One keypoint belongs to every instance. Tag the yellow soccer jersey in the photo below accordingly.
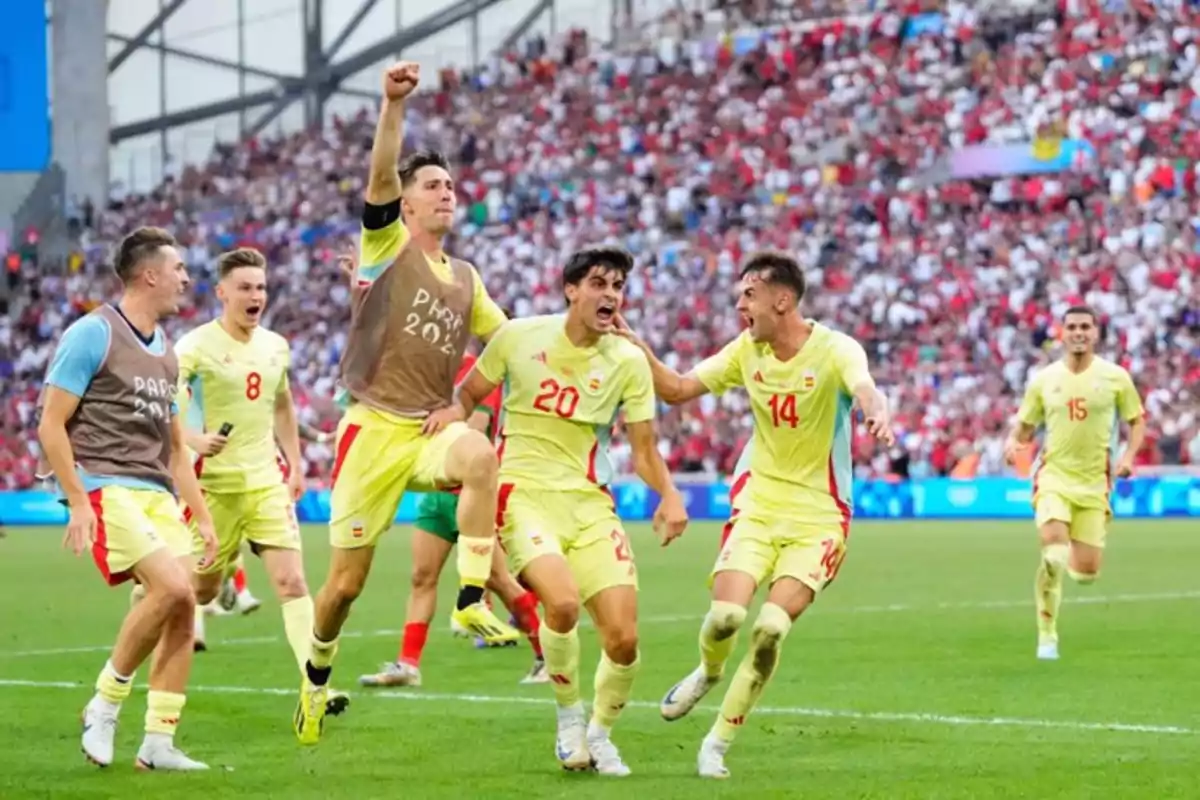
(799, 460)
(379, 248)
(561, 401)
(1080, 413)
(224, 380)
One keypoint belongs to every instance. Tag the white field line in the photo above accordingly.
(786, 711)
(666, 619)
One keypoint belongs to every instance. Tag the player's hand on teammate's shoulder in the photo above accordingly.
(213, 444)
(438, 420)
(401, 79)
(670, 518)
(81, 527)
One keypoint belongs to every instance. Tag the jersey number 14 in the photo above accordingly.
(783, 410)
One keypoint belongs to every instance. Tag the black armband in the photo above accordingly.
(376, 218)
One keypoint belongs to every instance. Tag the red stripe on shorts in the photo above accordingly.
(734, 491)
(198, 467)
(502, 503)
(100, 546)
(343, 449)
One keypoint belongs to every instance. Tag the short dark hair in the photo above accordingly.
(413, 162)
(137, 247)
(777, 268)
(1081, 309)
(616, 259)
(242, 257)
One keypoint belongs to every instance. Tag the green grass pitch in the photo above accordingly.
(913, 677)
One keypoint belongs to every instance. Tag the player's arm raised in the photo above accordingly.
(188, 486)
(669, 385)
(383, 183)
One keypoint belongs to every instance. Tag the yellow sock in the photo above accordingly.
(1048, 589)
(297, 624)
(1083, 578)
(475, 560)
(562, 661)
(113, 687)
(162, 712)
(718, 635)
(756, 669)
(614, 684)
(321, 653)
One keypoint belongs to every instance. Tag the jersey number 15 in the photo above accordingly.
(1077, 409)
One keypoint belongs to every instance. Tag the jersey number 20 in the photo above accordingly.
(555, 399)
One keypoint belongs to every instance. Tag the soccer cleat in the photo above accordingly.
(537, 673)
(336, 702)
(99, 730)
(1047, 650)
(478, 620)
(710, 762)
(309, 720)
(227, 598)
(393, 673)
(160, 752)
(684, 695)
(247, 603)
(605, 756)
(571, 746)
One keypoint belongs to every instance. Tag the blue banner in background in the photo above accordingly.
(936, 498)
(24, 99)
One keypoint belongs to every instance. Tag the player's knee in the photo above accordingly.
(346, 586)
(291, 585)
(621, 644)
(481, 465)
(562, 613)
(177, 595)
(424, 579)
(725, 619)
(766, 637)
(206, 592)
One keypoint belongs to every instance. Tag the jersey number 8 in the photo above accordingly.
(253, 386)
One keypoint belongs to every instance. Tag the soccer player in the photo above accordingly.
(1080, 400)
(792, 507)
(234, 373)
(413, 312)
(435, 532)
(111, 435)
(566, 378)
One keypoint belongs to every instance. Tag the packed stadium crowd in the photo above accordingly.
(828, 130)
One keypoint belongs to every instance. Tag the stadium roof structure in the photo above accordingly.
(326, 70)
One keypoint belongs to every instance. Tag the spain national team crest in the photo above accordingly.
(357, 530)
(809, 381)
(595, 380)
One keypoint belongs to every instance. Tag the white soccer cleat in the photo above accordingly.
(571, 745)
(685, 695)
(1047, 650)
(160, 752)
(247, 603)
(710, 762)
(605, 756)
(227, 597)
(393, 673)
(537, 673)
(99, 731)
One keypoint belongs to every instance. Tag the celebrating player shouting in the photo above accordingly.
(794, 511)
(111, 435)
(566, 380)
(238, 403)
(413, 311)
(1080, 400)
